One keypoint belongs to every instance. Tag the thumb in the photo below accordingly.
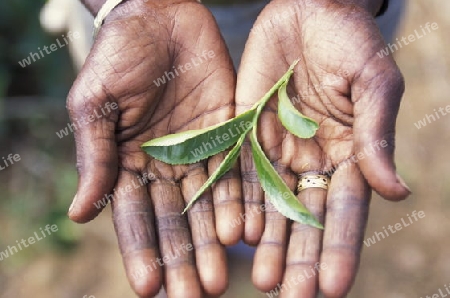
(94, 116)
(376, 94)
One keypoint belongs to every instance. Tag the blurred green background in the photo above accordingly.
(84, 260)
(34, 191)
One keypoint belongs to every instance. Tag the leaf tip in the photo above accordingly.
(294, 64)
(318, 225)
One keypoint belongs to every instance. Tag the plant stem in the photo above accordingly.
(262, 102)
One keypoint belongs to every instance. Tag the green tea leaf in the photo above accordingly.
(278, 192)
(194, 145)
(232, 156)
(292, 119)
(224, 167)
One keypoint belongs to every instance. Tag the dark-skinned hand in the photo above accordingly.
(354, 95)
(138, 43)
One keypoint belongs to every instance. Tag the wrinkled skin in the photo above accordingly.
(340, 82)
(131, 52)
(354, 95)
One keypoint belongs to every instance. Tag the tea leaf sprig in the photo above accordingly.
(191, 146)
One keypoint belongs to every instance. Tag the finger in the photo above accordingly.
(175, 245)
(253, 82)
(302, 262)
(227, 203)
(209, 253)
(253, 218)
(135, 228)
(377, 99)
(93, 118)
(347, 211)
(271, 138)
(270, 255)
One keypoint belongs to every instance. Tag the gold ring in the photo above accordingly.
(312, 181)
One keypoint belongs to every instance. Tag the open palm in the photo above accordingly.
(354, 95)
(159, 69)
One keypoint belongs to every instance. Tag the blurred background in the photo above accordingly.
(81, 260)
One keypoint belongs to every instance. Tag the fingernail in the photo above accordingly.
(73, 203)
(403, 183)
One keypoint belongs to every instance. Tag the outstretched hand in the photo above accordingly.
(354, 95)
(159, 68)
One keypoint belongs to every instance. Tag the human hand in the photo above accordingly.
(141, 44)
(354, 95)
